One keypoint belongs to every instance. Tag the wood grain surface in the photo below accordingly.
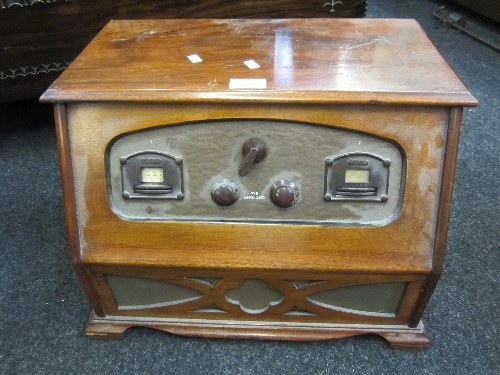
(365, 61)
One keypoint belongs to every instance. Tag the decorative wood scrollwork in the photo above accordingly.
(325, 300)
(254, 296)
(7, 4)
(24, 71)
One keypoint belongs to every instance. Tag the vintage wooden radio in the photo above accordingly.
(270, 179)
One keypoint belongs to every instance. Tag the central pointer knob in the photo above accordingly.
(254, 150)
(284, 193)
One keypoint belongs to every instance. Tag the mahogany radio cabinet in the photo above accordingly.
(265, 179)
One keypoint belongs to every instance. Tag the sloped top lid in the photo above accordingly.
(363, 61)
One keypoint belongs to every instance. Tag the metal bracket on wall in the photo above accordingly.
(456, 21)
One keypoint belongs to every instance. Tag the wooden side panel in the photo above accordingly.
(67, 179)
(445, 198)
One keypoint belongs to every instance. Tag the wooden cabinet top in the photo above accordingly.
(363, 61)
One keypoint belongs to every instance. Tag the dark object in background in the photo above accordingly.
(457, 22)
(487, 8)
(39, 39)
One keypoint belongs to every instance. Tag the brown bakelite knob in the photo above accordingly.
(254, 150)
(284, 193)
(225, 193)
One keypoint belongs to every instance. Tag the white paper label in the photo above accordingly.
(195, 59)
(251, 64)
(247, 83)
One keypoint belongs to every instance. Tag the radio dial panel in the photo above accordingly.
(223, 172)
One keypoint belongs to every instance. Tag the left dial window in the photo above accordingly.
(152, 175)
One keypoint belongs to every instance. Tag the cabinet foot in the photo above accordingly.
(102, 329)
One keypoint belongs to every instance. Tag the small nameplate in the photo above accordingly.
(247, 83)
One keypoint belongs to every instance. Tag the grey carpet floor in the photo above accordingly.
(43, 309)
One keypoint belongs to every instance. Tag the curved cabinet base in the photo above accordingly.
(398, 336)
